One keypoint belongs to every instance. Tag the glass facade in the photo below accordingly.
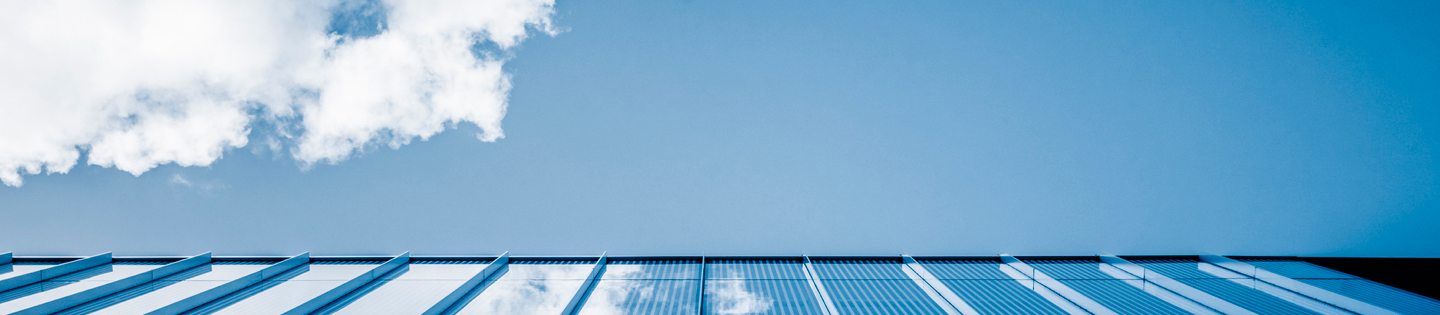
(693, 285)
(987, 285)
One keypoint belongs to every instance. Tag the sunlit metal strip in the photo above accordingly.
(1314, 292)
(1046, 293)
(117, 285)
(574, 305)
(355, 283)
(1183, 290)
(700, 296)
(55, 271)
(234, 285)
(464, 289)
(1054, 285)
(941, 293)
(820, 293)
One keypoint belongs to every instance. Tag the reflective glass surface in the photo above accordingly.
(38, 293)
(288, 290)
(526, 288)
(12, 270)
(859, 269)
(1079, 270)
(1351, 286)
(1002, 296)
(658, 297)
(766, 296)
(645, 287)
(979, 269)
(1224, 284)
(1107, 285)
(758, 287)
(1297, 269)
(985, 287)
(154, 295)
(1377, 294)
(409, 289)
(652, 270)
(873, 287)
(1187, 269)
(755, 269)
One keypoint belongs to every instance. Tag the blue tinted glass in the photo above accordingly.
(854, 296)
(1244, 296)
(859, 269)
(659, 297)
(38, 293)
(287, 290)
(1079, 269)
(519, 297)
(652, 269)
(409, 289)
(526, 287)
(1380, 295)
(8, 271)
(754, 269)
(1297, 269)
(1122, 296)
(157, 294)
(1186, 269)
(1001, 297)
(965, 269)
(760, 297)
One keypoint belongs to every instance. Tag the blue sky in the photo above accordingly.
(845, 127)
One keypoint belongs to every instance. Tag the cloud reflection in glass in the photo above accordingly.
(529, 287)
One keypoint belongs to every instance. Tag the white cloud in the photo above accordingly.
(148, 82)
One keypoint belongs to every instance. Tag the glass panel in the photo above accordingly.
(854, 296)
(1245, 296)
(965, 269)
(1001, 297)
(12, 270)
(659, 297)
(1297, 269)
(521, 297)
(154, 295)
(409, 289)
(526, 287)
(1187, 269)
(1378, 294)
(549, 269)
(652, 269)
(38, 293)
(288, 290)
(760, 297)
(669, 287)
(873, 287)
(755, 269)
(859, 269)
(1079, 270)
(1123, 296)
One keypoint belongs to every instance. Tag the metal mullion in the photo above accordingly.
(1181, 289)
(1055, 286)
(585, 287)
(826, 304)
(473, 283)
(700, 295)
(1293, 285)
(232, 286)
(351, 285)
(946, 295)
(55, 271)
(91, 294)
